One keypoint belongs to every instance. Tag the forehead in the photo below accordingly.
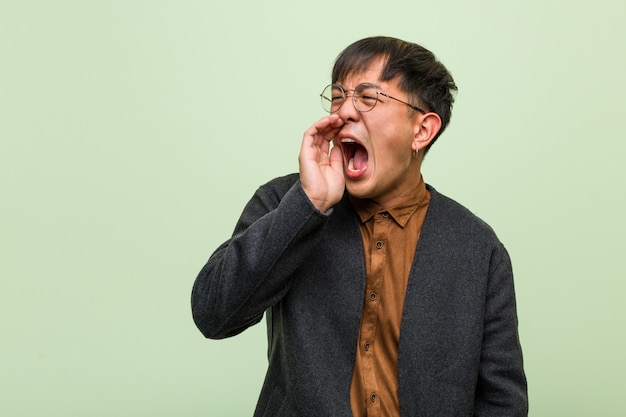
(370, 75)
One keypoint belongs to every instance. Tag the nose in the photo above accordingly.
(347, 111)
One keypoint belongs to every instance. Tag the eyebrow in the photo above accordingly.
(366, 82)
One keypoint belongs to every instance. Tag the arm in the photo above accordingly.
(501, 388)
(252, 271)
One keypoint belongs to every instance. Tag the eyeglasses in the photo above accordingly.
(364, 96)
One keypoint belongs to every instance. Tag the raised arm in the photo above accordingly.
(252, 270)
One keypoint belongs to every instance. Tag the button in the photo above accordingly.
(373, 397)
(367, 347)
(385, 214)
(373, 296)
(379, 244)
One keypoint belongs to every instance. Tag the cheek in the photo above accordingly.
(393, 147)
(392, 160)
(391, 138)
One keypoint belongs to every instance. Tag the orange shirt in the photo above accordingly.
(390, 236)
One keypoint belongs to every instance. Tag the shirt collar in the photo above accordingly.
(401, 212)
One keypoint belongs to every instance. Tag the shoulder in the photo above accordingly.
(272, 192)
(455, 237)
(281, 185)
(266, 198)
(451, 219)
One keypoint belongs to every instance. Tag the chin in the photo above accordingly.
(357, 190)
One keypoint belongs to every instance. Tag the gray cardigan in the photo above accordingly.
(459, 352)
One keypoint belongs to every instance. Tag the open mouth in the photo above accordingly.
(355, 157)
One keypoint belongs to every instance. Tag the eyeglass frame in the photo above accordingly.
(345, 95)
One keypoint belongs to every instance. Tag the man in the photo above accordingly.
(382, 296)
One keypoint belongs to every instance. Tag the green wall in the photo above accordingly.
(133, 132)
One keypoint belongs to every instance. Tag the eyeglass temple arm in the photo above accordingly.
(419, 109)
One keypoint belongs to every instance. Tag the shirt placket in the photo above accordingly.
(378, 251)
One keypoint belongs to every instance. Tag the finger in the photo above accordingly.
(330, 122)
(335, 121)
(326, 128)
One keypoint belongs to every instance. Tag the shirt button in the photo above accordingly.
(367, 346)
(373, 296)
(373, 397)
(385, 214)
(379, 244)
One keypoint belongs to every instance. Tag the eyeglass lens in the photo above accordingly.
(364, 97)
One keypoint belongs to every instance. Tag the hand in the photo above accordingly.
(321, 171)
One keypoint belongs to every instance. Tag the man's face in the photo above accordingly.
(377, 145)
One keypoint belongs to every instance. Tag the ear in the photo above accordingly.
(426, 128)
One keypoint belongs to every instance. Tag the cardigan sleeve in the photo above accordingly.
(252, 270)
(501, 387)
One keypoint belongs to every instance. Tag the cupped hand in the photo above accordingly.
(321, 168)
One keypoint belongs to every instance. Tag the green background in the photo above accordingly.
(133, 132)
